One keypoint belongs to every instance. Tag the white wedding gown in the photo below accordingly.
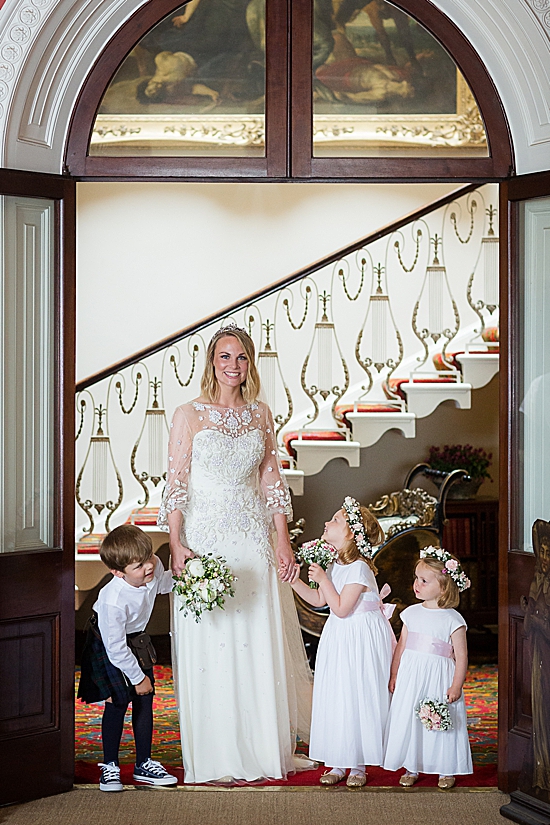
(241, 676)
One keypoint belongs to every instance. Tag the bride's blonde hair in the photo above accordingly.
(250, 389)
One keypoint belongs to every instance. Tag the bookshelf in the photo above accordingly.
(471, 534)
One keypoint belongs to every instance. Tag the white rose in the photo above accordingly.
(205, 593)
(216, 584)
(195, 568)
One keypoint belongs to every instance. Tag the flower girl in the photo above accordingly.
(428, 670)
(350, 689)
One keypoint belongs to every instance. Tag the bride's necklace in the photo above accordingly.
(228, 419)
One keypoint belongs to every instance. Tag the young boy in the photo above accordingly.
(110, 667)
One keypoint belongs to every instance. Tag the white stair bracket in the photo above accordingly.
(295, 480)
(423, 398)
(478, 367)
(312, 456)
(369, 427)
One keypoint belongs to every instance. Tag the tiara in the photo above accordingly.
(229, 329)
(450, 566)
(352, 509)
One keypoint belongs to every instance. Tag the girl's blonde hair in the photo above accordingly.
(450, 594)
(350, 552)
(250, 389)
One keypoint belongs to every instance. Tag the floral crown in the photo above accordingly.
(229, 329)
(450, 566)
(352, 510)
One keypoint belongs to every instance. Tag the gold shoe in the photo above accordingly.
(329, 778)
(408, 779)
(356, 780)
(446, 782)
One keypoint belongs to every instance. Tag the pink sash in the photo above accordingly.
(366, 606)
(422, 643)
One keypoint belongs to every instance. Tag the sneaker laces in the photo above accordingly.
(153, 766)
(109, 771)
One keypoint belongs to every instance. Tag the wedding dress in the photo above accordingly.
(242, 680)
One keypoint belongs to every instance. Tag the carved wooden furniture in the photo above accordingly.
(412, 519)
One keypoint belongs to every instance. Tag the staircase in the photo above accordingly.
(364, 341)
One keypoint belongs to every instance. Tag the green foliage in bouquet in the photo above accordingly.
(203, 585)
(318, 552)
(475, 460)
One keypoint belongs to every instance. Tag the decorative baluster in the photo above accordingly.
(380, 331)
(490, 286)
(276, 391)
(434, 313)
(95, 485)
(150, 447)
(318, 370)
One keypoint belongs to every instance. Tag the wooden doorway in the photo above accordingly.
(49, 735)
(525, 218)
(37, 558)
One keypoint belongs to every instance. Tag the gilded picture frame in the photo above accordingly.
(382, 85)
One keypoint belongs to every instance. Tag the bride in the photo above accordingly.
(241, 675)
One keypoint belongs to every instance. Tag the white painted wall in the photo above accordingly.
(153, 258)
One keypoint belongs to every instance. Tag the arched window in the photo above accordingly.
(277, 89)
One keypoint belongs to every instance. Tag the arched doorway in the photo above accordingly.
(289, 110)
(285, 163)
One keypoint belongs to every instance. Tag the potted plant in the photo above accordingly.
(475, 460)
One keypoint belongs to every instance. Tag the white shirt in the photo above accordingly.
(121, 609)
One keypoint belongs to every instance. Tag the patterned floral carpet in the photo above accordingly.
(481, 701)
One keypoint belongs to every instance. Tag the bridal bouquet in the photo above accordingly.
(318, 552)
(203, 585)
(434, 715)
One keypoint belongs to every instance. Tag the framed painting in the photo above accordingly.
(383, 85)
(193, 85)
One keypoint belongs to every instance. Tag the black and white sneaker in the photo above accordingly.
(110, 777)
(152, 773)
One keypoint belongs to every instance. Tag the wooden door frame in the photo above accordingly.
(273, 166)
(51, 571)
(289, 112)
(516, 567)
(513, 721)
(500, 162)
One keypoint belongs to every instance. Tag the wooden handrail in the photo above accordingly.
(276, 286)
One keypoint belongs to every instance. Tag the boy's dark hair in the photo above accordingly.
(125, 545)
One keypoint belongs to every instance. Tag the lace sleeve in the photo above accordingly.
(272, 478)
(179, 462)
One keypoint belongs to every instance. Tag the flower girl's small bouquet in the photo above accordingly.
(203, 585)
(434, 715)
(318, 552)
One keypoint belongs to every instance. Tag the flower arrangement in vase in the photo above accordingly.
(475, 460)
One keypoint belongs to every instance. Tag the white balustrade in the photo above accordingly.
(328, 340)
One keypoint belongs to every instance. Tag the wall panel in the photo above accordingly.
(27, 345)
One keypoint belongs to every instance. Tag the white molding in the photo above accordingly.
(369, 427)
(48, 77)
(295, 480)
(312, 456)
(423, 399)
(478, 367)
(535, 366)
(28, 369)
(47, 48)
(516, 51)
